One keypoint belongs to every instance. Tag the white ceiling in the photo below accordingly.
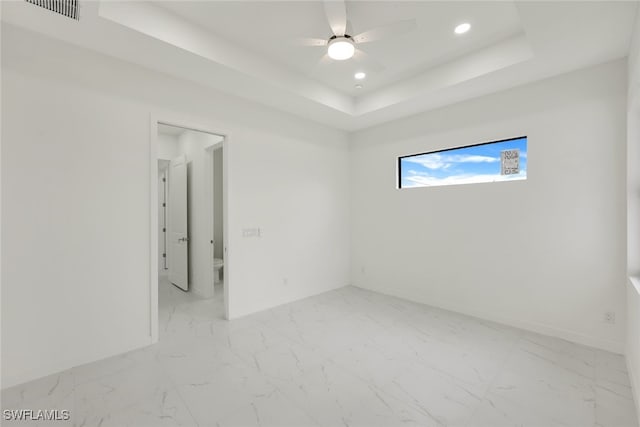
(272, 29)
(249, 48)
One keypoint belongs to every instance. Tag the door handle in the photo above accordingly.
(183, 239)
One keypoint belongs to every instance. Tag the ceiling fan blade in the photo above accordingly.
(349, 28)
(309, 42)
(368, 62)
(400, 27)
(336, 12)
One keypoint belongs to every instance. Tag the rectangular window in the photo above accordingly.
(504, 160)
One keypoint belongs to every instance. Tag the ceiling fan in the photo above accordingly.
(342, 45)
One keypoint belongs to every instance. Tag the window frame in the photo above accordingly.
(399, 175)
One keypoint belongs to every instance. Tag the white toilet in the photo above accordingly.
(217, 265)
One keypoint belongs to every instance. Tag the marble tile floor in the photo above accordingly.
(348, 357)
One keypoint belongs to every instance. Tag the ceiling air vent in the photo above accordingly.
(68, 8)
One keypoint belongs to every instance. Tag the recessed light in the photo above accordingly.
(358, 86)
(360, 75)
(341, 48)
(462, 28)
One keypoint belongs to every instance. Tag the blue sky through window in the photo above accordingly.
(466, 165)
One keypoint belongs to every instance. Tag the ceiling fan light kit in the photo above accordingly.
(340, 48)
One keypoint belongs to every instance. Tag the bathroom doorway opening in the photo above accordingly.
(216, 180)
(189, 232)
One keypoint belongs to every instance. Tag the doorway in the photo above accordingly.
(188, 221)
(215, 154)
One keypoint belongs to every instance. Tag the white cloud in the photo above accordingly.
(439, 161)
(461, 158)
(423, 180)
(429, 161)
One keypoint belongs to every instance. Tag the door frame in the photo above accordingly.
(173, 119)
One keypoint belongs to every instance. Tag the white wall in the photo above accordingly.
(1, 275)
(633, 338)
(168, 148)
(633, 214)
(545, 254)
(76, 202)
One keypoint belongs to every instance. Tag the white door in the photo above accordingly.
(178, 239)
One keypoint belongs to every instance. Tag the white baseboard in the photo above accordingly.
(10, 379)
(631, 354)
(635, 385)
(575, 337)
(259, 306)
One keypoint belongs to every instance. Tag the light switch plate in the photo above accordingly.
(251, 232)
